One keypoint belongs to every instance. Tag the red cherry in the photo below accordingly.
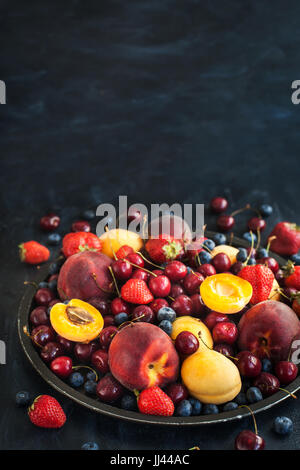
(136, 259)
(221, 262)
(182, 305)
(39, 316)
(143, 313)
(102, 305)
(286, 372)
(224, 349)
(106, 336)
(109, 389)
(160, 286)
(236, 268)
(119, 305)
(206, 269)
(270, 262)
(49, 222)
(140, 274)
(158, 272)
(122, 269)
(133, 214)
(42, 335)
(225, 332)
(267, 383)
(256, 223)
(192, 283)
(81, 226)
(108, 321)
(248, 440)
(218, 204)
(213, 318)
(176, 271)
(66, 344)
(225, 222)
(53, 302)
(62, 366)
(177, 392)
(157, 304)
(199, 308)
(176, 290)
(99, 360)
(248, 364)
(186, 343)
(83, 351)
(43, 296)
(51, 351)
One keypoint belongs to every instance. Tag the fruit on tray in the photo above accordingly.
(46, 412)
(85, 275)
(211, 377)
(76, 321)
(164, 248)
(80, 241)
(33, 252)
(195, 326)
(230, 251)
(142, 355)
(113, 239)
(225, 293)
(261, 279)
(287, 241)
(267, 330)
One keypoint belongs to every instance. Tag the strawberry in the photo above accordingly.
(124, 251)
(287, 241)
(46, 412)
(292, 275)
(153, 401)
(136, 291)
(165, 248)
(33, 252)
(261, 279)
(75, 242)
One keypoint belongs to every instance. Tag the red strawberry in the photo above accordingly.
(75, 242)
(292, 275)
(153, 401)
(33, 252)
(136, 291)
(165, 248)
(261, 279)
(287, 241)
(124, 251)
(46, 412)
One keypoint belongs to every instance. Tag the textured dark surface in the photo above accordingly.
(164, 101)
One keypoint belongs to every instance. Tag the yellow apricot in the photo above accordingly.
(275, 293)
(225, 293)
(76, 321)
(230, 251)
(195, 326)
(115, 238)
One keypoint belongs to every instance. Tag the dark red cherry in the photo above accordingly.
(39, 316)
(119, 305)
(106, 336)
(225, 332)
(182, 305)
(49, 222)
(81, 226)
(122, 269)
(192, 283)
(176, 271)
(186, 343)
(62, 366)
(109, 320)
(176, 290)
(248, 364)
(136, 260)
(256, 223)
(140, 274)
(102, 305)
(42, 334)
(218, 204)
(286, 372)
(267, 383)
(43, 296)
(99, 360)
(248, 440)
(83, 351)
(160, 286)
(143, 313)
(66, 344)
(51, 351)
(157, 304)
(199, 308)
(270, 262)
(225, 222)
(213, 318)
(221, 262)
(206, 269)
(109, 389)
(224, 349)
(177, 392)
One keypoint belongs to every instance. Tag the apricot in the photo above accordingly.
(114, 239)
(76, 321)
(275, 292)
(230, 251)
(225, 293)
(211, 377)
(195, 326)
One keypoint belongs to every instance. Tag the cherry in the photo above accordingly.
(83, 351)
(109, 389)
(133, 214)
(218, 204)
(53, 302)
(251, 251)
(122, 269)
(213, 318)
(49, 222)
(225, 222)
(206, 269)
(176, 290)
(157, 304)
(99, 360)
(186, 343)
(182, 305)
(286, 372)
(145, 312)
(140, 274)
(256, 223)
(279, 276)
(224, 349)
(192, 283)
(221, 262)
(101, 305)
(43, 296)
(66, 344)
(39, 316)
(248, 364)
(158, 272)
(177, 392)
(42, 335)
(62, 366)
(109, 320)
(248, 440)
(106, 336)
(267, 383)
(51, 351)
(270, 262)
(225, 332)
(81, 226)
(119, 305)
(160, 286)
(199, 308)
(136, 259)
(236, 268)
(176, 271)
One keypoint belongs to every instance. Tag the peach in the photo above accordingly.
(115, 238)
(85, 275)
(142, 355)
(267, 329)
(225, 293)
(195, 326)
(230, 251)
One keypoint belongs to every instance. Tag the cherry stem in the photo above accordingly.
(114, 279)
(289, 393)
(150, 262)
(86, 367)
(199, 334)
(258, 239)
(139, 267)
(130, 322)
(251, 249)
(270, 239)
(194, 448)
(252, 414)
(31, 283)
(247, 206)
(25, 330)
(231, 239)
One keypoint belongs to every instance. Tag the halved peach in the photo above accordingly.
(76, 321)
(225, 293)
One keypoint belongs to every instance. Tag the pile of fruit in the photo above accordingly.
(170, 326)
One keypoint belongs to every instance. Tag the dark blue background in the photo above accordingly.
(164, 101)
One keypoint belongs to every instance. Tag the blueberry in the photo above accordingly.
(253, 395)
(53, 284)
(184, 408)
(22, 398)
(242, 255)
(230, 406)
(204, 257)
(166, 313)
(296, 259)
(43, 285)
(88, 214)
(241, 399)
(196, 406)
(54, 239)
(251, 261)
(266, 210)
(53, 268)
(121, 318)
(210, 409)
(166, 326)
(266, 365)
(90, 387)
(247, 236)
(128, 402)
(283, 425)
(91, 375)
(219, 239)
(262, 253)
(210, 244)
(76, 379)
(90, 446)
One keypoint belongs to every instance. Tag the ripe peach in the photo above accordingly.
(142, 355)
(115, 238)
(85, 275)
(195, 326)
(267, 330)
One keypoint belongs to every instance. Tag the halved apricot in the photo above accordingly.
(225, 293)
(76, 321)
